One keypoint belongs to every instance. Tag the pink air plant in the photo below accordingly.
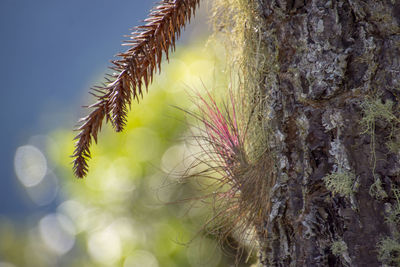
(226, 145)
(222, 130)
(240, 184)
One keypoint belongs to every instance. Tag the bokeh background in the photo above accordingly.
(129, 210)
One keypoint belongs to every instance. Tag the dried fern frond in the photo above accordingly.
(134, 70)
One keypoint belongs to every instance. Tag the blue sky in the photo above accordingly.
(52, 51)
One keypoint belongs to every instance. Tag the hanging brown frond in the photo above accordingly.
(133, 71)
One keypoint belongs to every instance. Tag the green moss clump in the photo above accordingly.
(340, 183)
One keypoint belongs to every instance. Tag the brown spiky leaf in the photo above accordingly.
(134, 70)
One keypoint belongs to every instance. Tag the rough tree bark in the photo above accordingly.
(326, 60)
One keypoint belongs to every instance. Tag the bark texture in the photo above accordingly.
(326, 60)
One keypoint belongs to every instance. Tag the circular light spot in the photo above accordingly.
(46, 143)
(204, 252)
(45, 192)
(119, 178)
(57, 232)
(74, 210)
(124, 228)
(105, 246)
(172, 161)
(30, 165)
(141, 258)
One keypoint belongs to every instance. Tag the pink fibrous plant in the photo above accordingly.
(240, 185)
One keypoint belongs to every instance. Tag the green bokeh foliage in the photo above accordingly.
(129, 210)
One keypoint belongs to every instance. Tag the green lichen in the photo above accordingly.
(389, 251)
(376, 190)
(338, 247)
(394, 216)
(389, 247)
(393, 145)
(375, 110)
(340, 183)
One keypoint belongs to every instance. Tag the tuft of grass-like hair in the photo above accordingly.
(234, 180)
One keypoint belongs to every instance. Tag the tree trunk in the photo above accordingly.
(333, 84)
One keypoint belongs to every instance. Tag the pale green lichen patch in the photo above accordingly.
(389, 251)
(389, 247)
(338, 247)
(393, 145)
(394, 215)
(340, 183)
(375, 110)
(376, 190)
